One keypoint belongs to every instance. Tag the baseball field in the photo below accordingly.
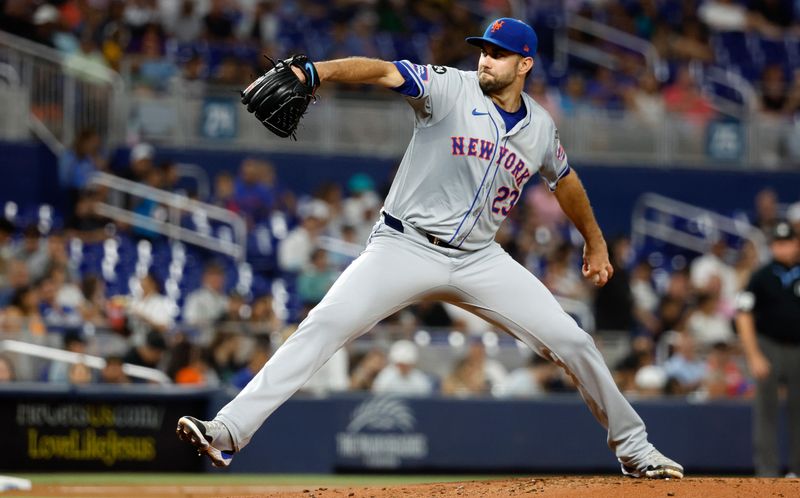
(378, 486)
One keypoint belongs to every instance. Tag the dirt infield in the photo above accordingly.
(550, 487)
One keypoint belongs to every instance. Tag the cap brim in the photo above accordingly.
(478, 41)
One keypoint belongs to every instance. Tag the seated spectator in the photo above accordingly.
(77, 165)
(767, 211)
(360, 208)
(84, 223)
(225, 192)
(366, 369)
(197, 371)
(22, 316)
(34, 251)
(711, 273)
(401, 375)
(56, 316)
(149, 208)
(261, 353)
(149, 354)
(6, 370)
(527, 381)
(112, 372)
(707, 324)
(646, 100)
(725, 378)
(645, 298)
(152, 72)
(58, 373)
(140, 162)
(7, 249)
(151, 310)
(642, 353)
(774, 91)
(87, 63)
(93, 303)
(650, 381)
(315, 279)
(223, 355)
(574, 100)
(263, 318)
(684, 367)
(294, 252)
(692, 43)
(79, 374)
(467, 379)
(17, 277)
(218, 22)
(684, 98)
(254, 192)
(562, 276)
(187, 25)
(540, 92)
(208, 304)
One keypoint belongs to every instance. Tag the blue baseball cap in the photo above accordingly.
(510, 34)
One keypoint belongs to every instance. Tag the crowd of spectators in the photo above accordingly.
(674, 317)
(220, 42)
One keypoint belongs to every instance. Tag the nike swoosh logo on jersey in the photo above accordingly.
(476, 113)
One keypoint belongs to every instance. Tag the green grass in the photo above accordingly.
(106, 479)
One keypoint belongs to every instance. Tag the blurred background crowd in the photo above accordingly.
(130, 295)
(73, 279)
(162, 44)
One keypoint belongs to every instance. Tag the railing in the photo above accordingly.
(232, 242)
(95, 362)
(64, 94)
(566, 47)
(654, 216)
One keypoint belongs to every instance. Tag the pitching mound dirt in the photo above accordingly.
(549, 487)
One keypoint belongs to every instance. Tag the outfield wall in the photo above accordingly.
(132, 429)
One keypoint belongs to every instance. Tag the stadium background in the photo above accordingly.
(148, 220)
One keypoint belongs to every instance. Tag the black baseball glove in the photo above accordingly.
(279, 99)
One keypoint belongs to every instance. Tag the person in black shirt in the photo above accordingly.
(768, 322)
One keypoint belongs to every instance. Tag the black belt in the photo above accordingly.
(393, 222)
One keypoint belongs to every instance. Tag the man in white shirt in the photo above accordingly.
(294, 252)
(206, 305)
(401, 375)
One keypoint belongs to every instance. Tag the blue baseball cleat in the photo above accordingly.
(203, 435)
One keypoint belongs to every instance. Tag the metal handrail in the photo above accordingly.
(612, 35)
(95, 362)
(176, 204)
(732, 80)
(641, 227)
(61, 89)
(40, 51)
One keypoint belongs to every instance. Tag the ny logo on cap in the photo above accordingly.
(497, 25)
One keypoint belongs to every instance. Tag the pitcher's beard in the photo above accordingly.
(493, 85)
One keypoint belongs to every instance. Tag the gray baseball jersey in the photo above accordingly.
(463, 171)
